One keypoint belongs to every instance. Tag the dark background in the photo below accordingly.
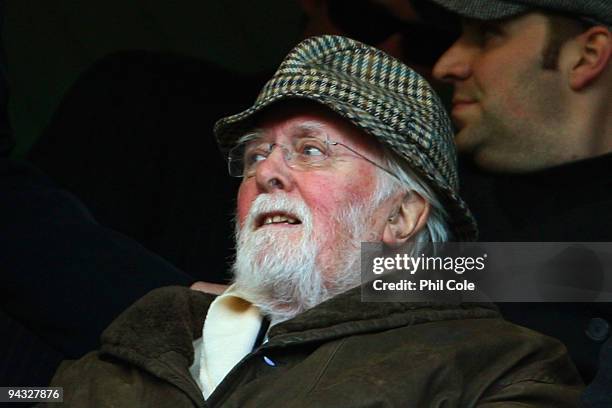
(49, 43)
(116, 100)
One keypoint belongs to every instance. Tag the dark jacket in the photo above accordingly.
(566, 203)
(342, 353)
(65, 277)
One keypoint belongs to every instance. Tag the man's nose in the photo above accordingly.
(274, 173)
(455, 64)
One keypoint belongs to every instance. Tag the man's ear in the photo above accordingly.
(595, 51)
(406, 220)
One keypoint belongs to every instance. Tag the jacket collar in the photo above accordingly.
(166, 321)
(157, 332)
(347, 314)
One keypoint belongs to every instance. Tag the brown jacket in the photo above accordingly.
(342, 353)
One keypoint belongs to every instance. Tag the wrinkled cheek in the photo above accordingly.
(330, 237)
(244, 202)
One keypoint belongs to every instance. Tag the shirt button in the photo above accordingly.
(269, 361)
(598, 329)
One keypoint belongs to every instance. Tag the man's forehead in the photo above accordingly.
(301, 118)
(297, 126)
(533, 20)
(286, 110)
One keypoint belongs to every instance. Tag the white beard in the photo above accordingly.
(283, 278)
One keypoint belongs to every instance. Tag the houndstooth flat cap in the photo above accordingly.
(381, 96)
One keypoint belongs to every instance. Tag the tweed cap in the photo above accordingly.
(378, 94)
(596, 11)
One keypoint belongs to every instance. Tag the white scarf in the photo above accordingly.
(229, 334)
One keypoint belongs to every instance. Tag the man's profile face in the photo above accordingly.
(326, 191)
(503, 97)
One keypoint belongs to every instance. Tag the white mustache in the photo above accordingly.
(277, 203)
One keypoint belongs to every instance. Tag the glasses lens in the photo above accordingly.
(243, 159)
(310, 151)
(235, 161)
(306, 152)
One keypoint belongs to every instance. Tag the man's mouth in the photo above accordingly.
(462, 106)
(459, 103)
(277, 219)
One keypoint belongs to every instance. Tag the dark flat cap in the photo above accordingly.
(597, 11)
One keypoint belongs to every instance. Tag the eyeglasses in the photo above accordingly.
(305, 154)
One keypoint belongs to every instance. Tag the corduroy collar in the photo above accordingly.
(157, 332)
(167, 320)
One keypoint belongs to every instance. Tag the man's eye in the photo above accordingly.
(253, 157)
(310, 150)
(311, 147)
(490, 31)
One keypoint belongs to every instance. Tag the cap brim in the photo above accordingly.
(463, 225)
(476, 9)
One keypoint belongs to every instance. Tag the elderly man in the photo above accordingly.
(343, 145)
(533, 107)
